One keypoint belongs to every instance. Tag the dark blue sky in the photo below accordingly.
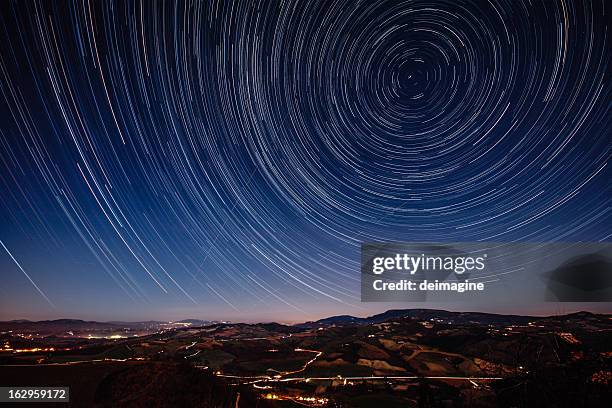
(225, 159)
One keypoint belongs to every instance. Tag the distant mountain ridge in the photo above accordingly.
(443, 315)
(108, 323)
(78, 326)
(340, 320)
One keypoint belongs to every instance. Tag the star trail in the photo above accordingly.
(228, 158)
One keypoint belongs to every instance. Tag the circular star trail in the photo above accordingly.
(238, 153)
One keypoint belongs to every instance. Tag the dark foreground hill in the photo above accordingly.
(171, 385)
(135, 384)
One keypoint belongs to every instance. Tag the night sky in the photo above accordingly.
(225, 160)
